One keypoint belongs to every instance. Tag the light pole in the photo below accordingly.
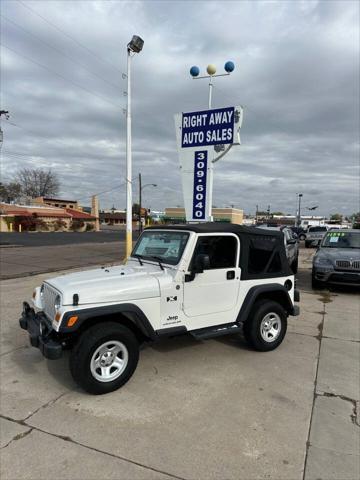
(141, 188)
(134, 46)
(299, 210)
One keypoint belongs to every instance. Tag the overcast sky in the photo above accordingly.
(297, 76)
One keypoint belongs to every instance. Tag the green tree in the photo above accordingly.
(336, 217)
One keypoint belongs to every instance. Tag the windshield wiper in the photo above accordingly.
(139, 258)
(157, 259)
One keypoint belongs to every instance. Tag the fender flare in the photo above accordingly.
(131, 311)
(254, 293)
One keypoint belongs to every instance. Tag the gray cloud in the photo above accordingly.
(297, 75)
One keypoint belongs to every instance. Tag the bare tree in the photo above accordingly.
(36, 182)
(10, 192)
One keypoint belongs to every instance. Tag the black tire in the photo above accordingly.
(302, 237)
(295, 265)
(252, 326)
(85, 348)
(315, 284)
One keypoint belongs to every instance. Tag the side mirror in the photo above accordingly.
(201, 263)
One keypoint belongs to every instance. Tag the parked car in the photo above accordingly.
(314, 235)
(338, 259)
(291, 245)
(299, 231)
(207, 280)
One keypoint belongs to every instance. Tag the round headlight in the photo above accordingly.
(57, 302)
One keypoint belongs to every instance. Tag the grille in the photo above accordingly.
(348, 265)
(48, 299)
(343, 264)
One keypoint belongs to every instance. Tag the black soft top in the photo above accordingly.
(262, 253)
(214, 227)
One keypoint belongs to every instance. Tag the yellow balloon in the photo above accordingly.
(211, 69)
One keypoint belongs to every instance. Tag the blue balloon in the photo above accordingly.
(229, 67)
(194, 71)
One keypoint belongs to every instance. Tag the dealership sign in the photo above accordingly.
(200, 137)
(209, 127)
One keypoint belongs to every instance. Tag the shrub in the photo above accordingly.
(90, 227)
(77, 225)
(59, 225)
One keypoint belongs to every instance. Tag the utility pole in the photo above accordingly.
(141, 187)
(6, 113)
(256, 213)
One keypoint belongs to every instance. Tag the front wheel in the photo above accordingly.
(104, 358)
(266, 326)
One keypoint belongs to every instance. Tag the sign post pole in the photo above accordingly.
(200, 135)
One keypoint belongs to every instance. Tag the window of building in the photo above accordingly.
(222, 250)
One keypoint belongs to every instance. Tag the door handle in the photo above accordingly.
(230, 275)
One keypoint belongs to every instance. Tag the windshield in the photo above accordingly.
(167, 246)
(342, 240)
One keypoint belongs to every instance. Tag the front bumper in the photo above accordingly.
(41, 334)
(336, 277)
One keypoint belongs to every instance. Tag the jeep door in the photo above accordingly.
(216, 289)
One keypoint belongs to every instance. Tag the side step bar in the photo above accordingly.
(217, 331)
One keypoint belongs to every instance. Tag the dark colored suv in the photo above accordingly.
(338, 259)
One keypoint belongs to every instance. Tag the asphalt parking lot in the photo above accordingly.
(204, 410)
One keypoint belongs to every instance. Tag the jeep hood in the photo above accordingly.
(109, 284)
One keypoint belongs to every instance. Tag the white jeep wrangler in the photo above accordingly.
(206, 280)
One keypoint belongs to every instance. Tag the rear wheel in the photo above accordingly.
(104, 358)
(295, 265)
(266, 326)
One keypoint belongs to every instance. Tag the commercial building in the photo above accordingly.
(229, 215)
(43, 218)
(56, 202)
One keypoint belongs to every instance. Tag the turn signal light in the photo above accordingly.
(57, 316)
(72, 321)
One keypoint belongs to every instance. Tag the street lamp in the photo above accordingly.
(141, 188)
(134, 46)
(299, 210)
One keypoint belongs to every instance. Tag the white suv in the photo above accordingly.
(314, 235)
(206, 280)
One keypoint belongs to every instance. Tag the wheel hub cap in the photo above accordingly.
(109, 361)
(270, 327)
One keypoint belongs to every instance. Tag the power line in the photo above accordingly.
(69, 36)
(61, 76)
(33, 133)
(59, 51)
